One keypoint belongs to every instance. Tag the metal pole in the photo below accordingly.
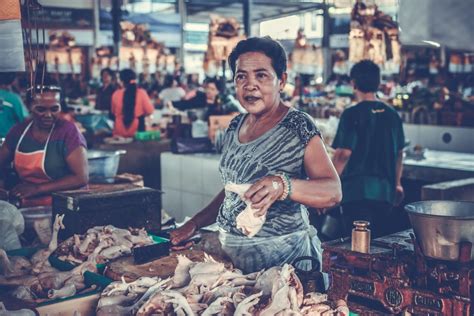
(116, 17)
(325, 42)
(247, 15)
(96, 13)
(183, 15)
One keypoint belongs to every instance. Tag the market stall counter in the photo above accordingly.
(190, 181)
(437, 166)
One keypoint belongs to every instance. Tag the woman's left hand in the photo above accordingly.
(264, 193)
(25, 190)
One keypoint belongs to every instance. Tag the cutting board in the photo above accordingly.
(162, 268)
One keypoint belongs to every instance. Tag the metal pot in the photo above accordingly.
(441, 226)
(103, 164)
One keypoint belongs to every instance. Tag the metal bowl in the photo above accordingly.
(440, 227)
(103, 164)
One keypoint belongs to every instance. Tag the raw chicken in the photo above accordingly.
(314, 298)
(246, 221)
(14, 266)
(24, 293)
(66, 291)
(245, 308)
(217, 306)
(179, 302)
(208, 288)
(156, 305)
(223, 290)
(108, 305)
(40, 260)
(181, 274)
(107, 242)
(265, 280)
(21, 312)
(280, 301)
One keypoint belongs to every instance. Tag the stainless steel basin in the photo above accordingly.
(103, 164)
(440, 226)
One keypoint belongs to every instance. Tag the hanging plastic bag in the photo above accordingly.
(12, 225)
(257, 253)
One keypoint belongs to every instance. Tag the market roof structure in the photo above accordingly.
(198, 10)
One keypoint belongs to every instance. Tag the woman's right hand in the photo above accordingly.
(179, 235)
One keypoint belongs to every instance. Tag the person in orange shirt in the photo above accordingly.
(130, 106)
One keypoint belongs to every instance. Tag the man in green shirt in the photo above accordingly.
(12, 109)
(369, 143)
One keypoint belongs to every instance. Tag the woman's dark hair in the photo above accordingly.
(32, 92)
(129, 79)
(168, 83)
(266, 45)
(217, 82)
(7, 78)
(109, 71)
(366, 76)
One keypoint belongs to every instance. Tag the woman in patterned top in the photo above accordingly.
(279, 151)
(48, 153)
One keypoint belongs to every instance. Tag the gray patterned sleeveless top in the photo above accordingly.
(279, 150)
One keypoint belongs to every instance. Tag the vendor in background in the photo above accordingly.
(172, 92)
(368, 157)
(103, 99)
(48, 153)
(279, 151)
(213, 99)
(12, 109)
(145, 81)
(130, 106)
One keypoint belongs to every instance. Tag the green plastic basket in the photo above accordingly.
(148, 135)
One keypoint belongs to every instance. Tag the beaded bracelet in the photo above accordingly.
(285, 179)
(290, 188)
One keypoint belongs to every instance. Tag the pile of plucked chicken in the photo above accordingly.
(103, 242)
(209, 288)
(35, 280)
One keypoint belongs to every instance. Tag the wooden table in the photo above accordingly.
(165, 266)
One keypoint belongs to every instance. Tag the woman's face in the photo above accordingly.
(256, 83)
(211, 92)
(46, 108)
(106, 78)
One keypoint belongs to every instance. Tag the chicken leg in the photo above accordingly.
(246, 221)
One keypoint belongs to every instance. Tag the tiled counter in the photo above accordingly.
(189, 182)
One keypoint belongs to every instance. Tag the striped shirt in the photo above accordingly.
(279, 150)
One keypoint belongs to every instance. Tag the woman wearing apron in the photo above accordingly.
(279, 151)
(48, 153)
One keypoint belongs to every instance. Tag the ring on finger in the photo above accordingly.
(275, 185)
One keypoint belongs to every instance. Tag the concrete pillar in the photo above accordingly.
(96, 12)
